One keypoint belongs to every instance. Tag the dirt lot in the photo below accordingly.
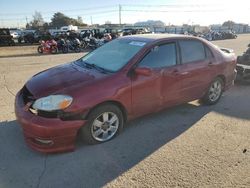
(18, 51)
(186, 146)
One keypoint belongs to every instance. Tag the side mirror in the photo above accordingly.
(143, 71)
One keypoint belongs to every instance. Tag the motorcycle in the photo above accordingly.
(73, 45)
(50, 46)
(62, 46)
(93, 43)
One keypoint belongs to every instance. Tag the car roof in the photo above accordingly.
(154, 37)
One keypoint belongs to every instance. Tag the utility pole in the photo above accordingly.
(27, 22)
(120, 17)
(91, 20)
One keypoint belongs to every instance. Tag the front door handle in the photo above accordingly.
(177, 72)
(184, 73)
(210, 63)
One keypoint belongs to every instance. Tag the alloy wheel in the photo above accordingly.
(215, 91)
(105, 126)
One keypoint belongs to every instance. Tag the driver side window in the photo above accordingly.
(160, 56)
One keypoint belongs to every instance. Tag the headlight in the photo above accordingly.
(52, 102)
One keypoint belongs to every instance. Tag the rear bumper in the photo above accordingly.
(47, 135)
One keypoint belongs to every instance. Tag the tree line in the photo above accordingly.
(57, 21)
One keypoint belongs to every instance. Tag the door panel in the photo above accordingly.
(172, 85)
(195, 69)
(146, 93)
(195, 78)
(152, 93)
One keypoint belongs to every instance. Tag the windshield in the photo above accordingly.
(113, 55)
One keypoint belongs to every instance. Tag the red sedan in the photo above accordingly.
(126, 78)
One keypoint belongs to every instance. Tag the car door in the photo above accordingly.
(171, 76)
(194, 69)
(147, 91)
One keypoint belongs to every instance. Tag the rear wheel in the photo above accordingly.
(214, 92)
(54, 49)
(77, 49)
(83, 45)
(104, 123)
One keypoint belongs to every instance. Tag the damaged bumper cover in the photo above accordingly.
(48, 135)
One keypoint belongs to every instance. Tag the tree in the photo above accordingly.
(228, 24)
(59, 19)
(46, 26)
(37, 21)
(28, 26)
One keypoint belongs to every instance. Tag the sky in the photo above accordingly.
(16, 13)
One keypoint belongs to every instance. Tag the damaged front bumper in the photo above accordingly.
(48, 135)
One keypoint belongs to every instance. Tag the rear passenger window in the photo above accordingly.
(160, 56)
(191, 50)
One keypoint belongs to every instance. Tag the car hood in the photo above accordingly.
(60, 79)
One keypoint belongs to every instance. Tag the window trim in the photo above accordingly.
(206, 47)
(161, 44)
(180, 53)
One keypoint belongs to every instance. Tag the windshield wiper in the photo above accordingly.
(92, 65)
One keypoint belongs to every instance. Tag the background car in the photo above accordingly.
(5, 37)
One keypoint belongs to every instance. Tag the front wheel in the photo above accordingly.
(40, 49)
(214, 92)
(104, 123)
(65, 49)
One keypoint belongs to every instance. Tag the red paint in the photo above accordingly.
(142, 92)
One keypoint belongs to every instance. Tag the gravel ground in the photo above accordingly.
(239, 45)
(186, 146)
(18, 51)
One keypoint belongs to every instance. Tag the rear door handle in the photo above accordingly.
(175, 72)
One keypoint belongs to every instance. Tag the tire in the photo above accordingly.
(97, 130)
(65, 49)
(54, 49)
(214, 92)
(84, 45)
(77, 49)
(40, 49)
(12, 43)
